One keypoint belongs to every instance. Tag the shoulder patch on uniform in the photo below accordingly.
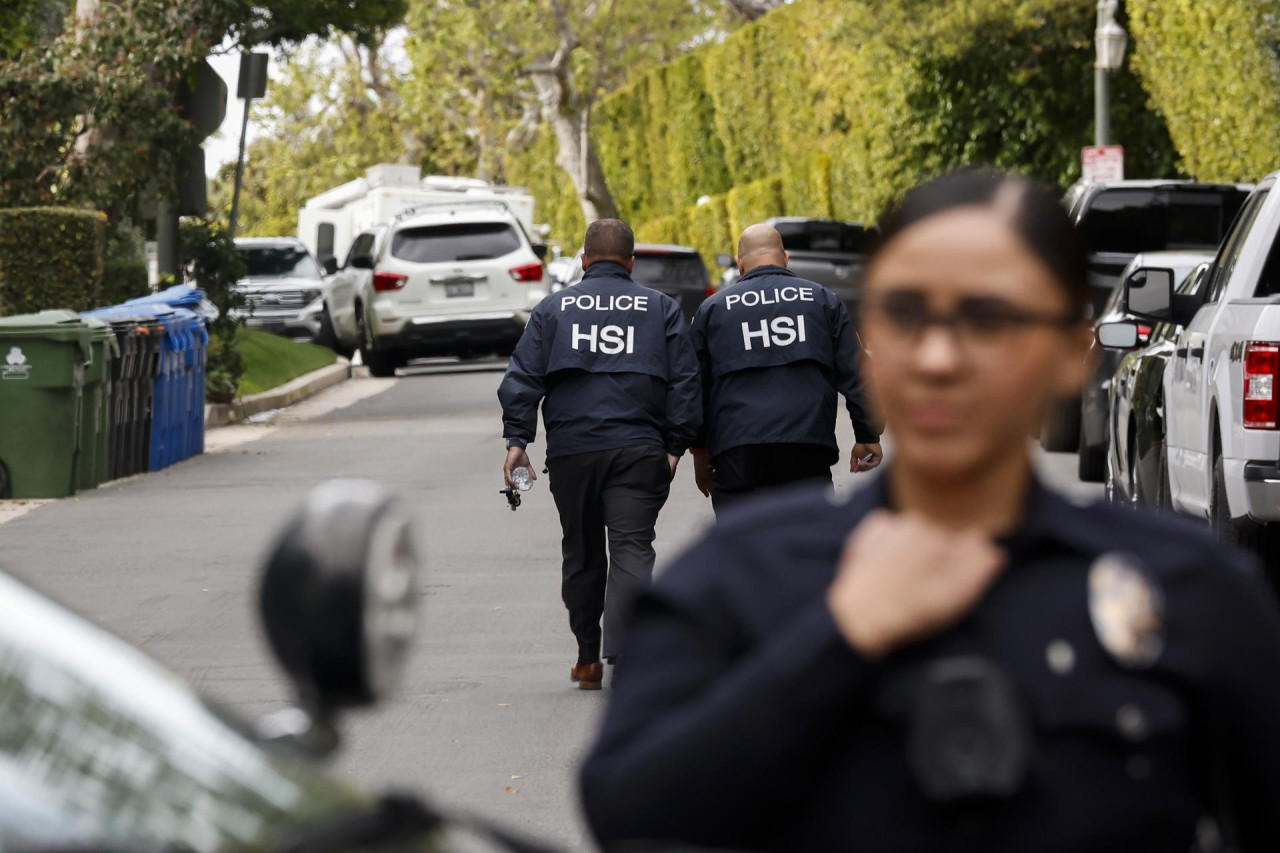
(1127, 608)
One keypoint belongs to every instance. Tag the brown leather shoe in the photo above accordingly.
(588, 676)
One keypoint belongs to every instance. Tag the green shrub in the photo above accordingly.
(50, 257)
(709, 229)
(1213, 72)
(664, 229)
(751, 203)
(557, 200)
(123, 280)
(215, 267)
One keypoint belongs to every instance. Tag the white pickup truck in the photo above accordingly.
(1222, 385)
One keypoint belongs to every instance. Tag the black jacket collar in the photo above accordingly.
(767, 269)
(606, 269)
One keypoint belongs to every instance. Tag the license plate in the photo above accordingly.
(462, 288)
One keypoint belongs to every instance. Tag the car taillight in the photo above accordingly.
(386, 281)
(1144, 333)
(528, 272)
(1261, 369)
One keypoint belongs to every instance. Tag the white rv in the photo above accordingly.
(329, 222)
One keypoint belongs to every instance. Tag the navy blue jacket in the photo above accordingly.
(610, 362)
(740, 718)
(774, 351)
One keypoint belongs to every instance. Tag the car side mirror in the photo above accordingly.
(726, 260)
(338, 602)
(329, 264)
(361, 262)
(1148, 293)
(540, 249)
(1122, 334)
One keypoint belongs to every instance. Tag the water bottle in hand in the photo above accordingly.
(521, 477)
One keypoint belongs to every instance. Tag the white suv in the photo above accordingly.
(442, 279)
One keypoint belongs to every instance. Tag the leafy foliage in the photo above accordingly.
(90, 117)
(1213, 70)
(50, 257)
(214, 265)
(832, 108)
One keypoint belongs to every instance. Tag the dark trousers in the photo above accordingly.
(750, 468)
(615, 494)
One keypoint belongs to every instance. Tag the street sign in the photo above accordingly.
(1102, 162)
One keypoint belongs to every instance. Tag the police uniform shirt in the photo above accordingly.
(774, 350)
(611, 363)
(744, 720)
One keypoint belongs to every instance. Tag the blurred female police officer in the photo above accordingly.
(954, 657)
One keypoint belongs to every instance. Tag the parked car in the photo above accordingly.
(1223, 430)
(677, 271)
(1095, 404)
(282, 287)
(1119, 220)
(103, 749)
(450, 279)
(1137, 466)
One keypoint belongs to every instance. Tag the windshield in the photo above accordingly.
(819, 236)
(674, 270)
(1154, 220)
(442, 244)
(279, 262)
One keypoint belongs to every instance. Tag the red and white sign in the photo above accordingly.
(1102, 162)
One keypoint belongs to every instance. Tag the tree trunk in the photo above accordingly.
(579, 159)
(569, 114)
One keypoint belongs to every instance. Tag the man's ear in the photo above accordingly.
(786, 258)
(742, 270)
(630, 264)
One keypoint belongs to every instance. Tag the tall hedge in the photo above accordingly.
(1213, 72)
(844, 104)
(50, 257)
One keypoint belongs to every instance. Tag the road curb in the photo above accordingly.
(225, 414)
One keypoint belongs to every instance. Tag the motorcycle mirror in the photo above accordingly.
(338, 598)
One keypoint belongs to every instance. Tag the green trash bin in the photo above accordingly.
(42, 366)
(95, 418)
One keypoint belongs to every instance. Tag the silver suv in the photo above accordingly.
(443, 279)
(282, 287)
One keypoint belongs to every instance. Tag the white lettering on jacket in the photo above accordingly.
(752, 298)
(599, 302)
(610, 340)
(778, 332)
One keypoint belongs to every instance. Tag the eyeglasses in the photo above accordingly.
(979, 324)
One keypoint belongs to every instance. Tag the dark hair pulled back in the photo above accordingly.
(1038, 217)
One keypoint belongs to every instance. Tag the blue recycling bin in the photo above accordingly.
(179, 296)
(177, 427)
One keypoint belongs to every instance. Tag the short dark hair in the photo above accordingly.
(1039, 218)
(609, 238)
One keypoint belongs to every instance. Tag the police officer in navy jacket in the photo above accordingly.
(611, 365)
(954, 657)
(775, 352)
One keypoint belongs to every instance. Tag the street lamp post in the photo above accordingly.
(1111, 41)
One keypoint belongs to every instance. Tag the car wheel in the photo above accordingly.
(1261, 539)
(326, 336)
(1061, 430)
(381, 364)
(1091, 463)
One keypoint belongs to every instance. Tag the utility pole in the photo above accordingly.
(252, 84)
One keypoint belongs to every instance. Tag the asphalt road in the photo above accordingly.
(487, 720)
